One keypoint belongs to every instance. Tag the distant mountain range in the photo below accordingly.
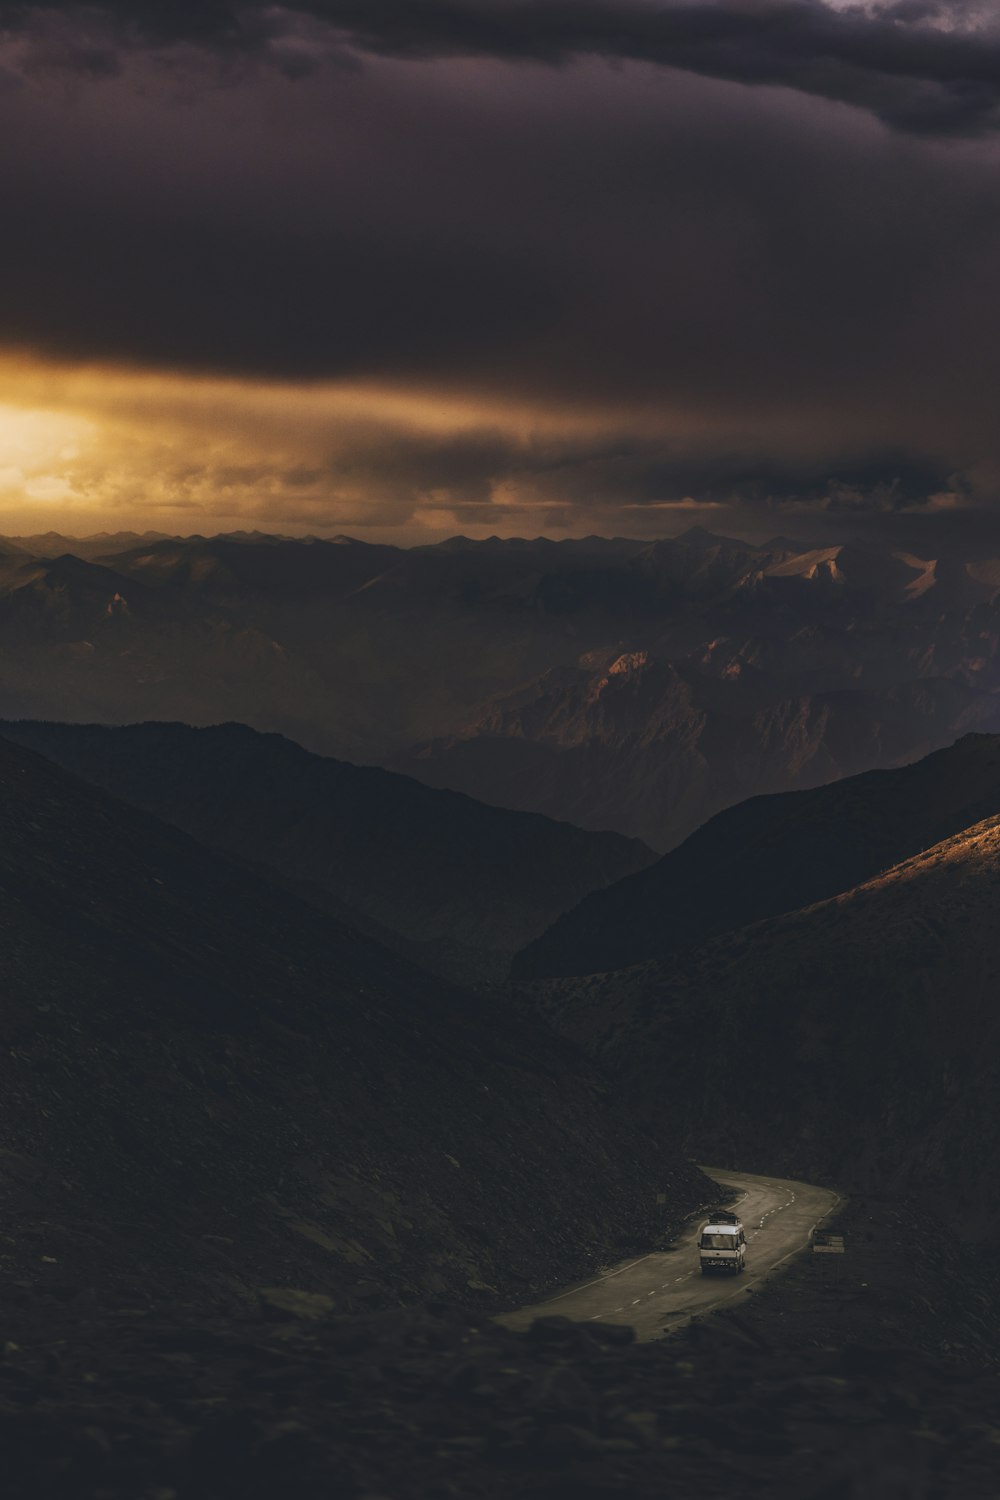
(617, 684)
(454, 884)
(208, 1085)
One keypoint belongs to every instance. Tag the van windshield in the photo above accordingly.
(718, 1242)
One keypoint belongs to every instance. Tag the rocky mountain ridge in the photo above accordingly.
(773, 854)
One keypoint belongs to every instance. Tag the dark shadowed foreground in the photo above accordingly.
(846, 1382)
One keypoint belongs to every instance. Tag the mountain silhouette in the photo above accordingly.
(457, 885)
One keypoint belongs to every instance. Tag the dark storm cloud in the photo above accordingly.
(209, 22)
(912, 75)
(744, 296)
(868, 482)
(899, 62)
(470, 470)
(875, 481)
(571, 238)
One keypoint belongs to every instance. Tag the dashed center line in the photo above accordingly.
(670, 1315)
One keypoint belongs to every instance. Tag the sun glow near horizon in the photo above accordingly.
(99, 447)
(40, 452)
(94, 447)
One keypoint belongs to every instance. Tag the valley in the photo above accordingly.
(353, 1119)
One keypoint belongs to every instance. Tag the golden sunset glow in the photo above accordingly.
(40, 453)
(98, 447)
(101, 447)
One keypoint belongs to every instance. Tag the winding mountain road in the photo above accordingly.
(659, 1292)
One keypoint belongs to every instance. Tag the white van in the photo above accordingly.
(722, 1244)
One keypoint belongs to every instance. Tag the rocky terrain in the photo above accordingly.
(773, 854)
(457, 885)
(846, 1381)
(207, 1085)
(625, 685)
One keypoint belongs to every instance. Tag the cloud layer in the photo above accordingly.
(618, 256)
(921, 65)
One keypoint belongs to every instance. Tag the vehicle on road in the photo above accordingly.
(722, 1244)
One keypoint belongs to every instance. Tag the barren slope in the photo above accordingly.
(857, 1039)
(773, 854)
(461, 884)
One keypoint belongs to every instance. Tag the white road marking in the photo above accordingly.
(678, 1316)
(598, 1279)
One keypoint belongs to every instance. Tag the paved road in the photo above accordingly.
(659, 1292)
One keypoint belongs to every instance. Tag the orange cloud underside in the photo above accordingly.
(94, 447)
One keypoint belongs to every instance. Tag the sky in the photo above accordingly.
(402, 268)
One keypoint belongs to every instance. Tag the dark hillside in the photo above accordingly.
(773, 854)
(856, 1040)
(462, 884)
(206, 1085)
